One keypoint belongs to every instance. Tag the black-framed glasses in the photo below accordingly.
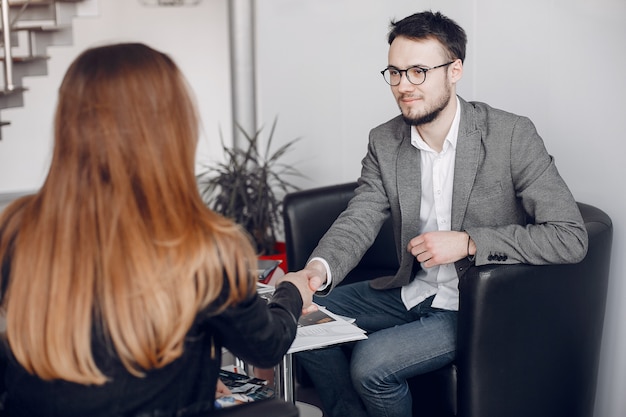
(415, 75)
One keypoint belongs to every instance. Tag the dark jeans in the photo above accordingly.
(368, 378)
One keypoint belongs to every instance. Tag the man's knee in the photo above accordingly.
(366, 371)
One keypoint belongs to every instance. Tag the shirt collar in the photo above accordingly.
(451, 137)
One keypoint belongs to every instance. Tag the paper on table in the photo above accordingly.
(324, 328)
(319, 329)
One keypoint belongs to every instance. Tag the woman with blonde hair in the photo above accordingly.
(118, 285)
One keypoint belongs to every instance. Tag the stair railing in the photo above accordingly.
(8, 59)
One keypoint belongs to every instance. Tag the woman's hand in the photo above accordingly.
(221, 390)
(307, 281)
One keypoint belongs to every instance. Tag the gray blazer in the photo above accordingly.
(508, 195)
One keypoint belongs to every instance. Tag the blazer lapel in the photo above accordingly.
(409, 187)
(466, 164)
(409, 190)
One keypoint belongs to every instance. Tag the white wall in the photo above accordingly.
(195, 37)
(560, 62)
(319, 64)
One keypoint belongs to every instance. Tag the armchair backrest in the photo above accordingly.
(308, 214)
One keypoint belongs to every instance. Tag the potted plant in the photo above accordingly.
(249, 185)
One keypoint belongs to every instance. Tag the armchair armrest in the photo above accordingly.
(529, 336)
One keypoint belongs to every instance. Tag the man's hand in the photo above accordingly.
(307, 281)
(317, 273)
(441, 247)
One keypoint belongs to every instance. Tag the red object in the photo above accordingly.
(280, 255)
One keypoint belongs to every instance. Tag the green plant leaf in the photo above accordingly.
(247, 185)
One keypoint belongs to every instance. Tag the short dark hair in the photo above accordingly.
(424, 25)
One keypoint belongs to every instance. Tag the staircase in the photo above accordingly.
(33, 25)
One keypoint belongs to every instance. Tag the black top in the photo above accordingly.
(257, 332)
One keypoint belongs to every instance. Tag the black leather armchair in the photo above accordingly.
(528, 336)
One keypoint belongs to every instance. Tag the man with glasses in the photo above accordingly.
(464, 184)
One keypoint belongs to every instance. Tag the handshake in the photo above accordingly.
(307, 280)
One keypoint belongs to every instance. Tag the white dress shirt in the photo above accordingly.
(435, 214)
(437, 170)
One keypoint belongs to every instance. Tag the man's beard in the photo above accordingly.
(430, 115)
(423, 119)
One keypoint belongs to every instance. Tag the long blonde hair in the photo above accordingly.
(118, 236)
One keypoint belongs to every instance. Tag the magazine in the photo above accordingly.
(324, 328)
(244, 389)
(320, 328)
(265, 291)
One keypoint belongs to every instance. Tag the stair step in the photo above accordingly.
(15, 90)
(27, 58)
(29, 2)
(39, 26)
(39, 2)
(28, 19)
